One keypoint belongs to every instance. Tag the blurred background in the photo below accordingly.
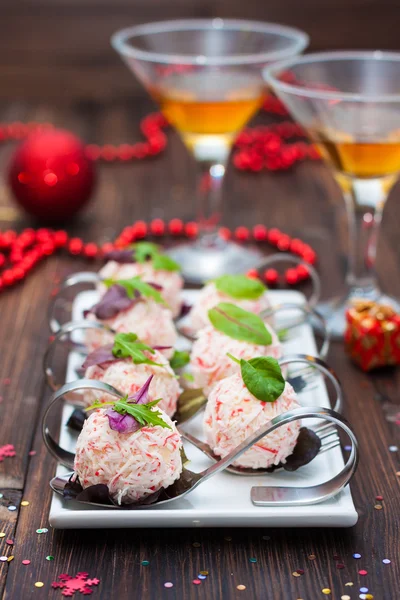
(59, 49)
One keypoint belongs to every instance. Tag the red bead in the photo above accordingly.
(60, 239)
(8, 278)
(271, 276)
(90, 250)
(16, 257)
(252, 274)
(75, 246)
(8, 238)
(191, 229)
(2, 260)
(175, 226)
(274, 236)
(260, 233)
(107, 247)
(19, 273)
(157, 227)
(302, 272)
(43, 235)
(283, 243)
(242, 233)
(309, 256)
(48, 248)
(140, 229)
(225, 233)
(296, 246)
(108, 152)
(291, 276)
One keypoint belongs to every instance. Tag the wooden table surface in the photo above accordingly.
(303, 202)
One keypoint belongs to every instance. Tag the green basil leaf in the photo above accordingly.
(263, 378)
(135, 283)
(239, 324)
(240, 287)
(145, 251)
(127, 345)
(142, 413)
(180, 359)
(162, 262)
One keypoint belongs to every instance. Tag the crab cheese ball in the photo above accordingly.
(210, 296)
(209, 362)
(171, 282)
(232, 414)
(132, 465)
(128, 377)
(151, 322)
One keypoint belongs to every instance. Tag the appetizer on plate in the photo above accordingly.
(232, 330)
(131, 446)
(249, 294)
(127, 364)
(240, 404)
(146, 260)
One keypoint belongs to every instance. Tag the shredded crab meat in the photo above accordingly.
(209, 297)
(151, 322)
(232, 414)
(128, 378)
(170, 281)
(132, 465)
(209, 362)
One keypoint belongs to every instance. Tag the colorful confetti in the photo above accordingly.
(12, 507)
(10, 542)
(363, 572)
(296, 574)
(241, 587)
(386, 561)
(49, 557)
(378, 506)
(168, 584)
(345, 597)
(145, 563)
(39, 584)
(200, 576)
(349, 584)
(252, 560)
(356, 555)
(379, 498)
(393, 448)
(3, 558)
(340, 566)
(26, 562)
(196, 544)
(196, 581)
(364, 590)
(24, 503)
(10, 558)
(326, 591)
(311, 557)
(2, 534)
(32, 453)
(204, 573)
(347, 448)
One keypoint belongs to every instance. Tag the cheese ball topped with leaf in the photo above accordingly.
(242, 403)
(127, 364)
(133, 305)
(130, 446)
(245, 292)
(232, 330)
(146, 260)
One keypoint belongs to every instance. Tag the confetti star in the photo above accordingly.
(80, 583)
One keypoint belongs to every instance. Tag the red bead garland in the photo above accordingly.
(21, 252)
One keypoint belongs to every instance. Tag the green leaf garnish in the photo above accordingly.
(148, 251)
(263, 377)
(142, 413)
(127, 345)
(188, 376)
(145, 251)
(239, 324)
(240, 287)
(136, 284)
(162, 262)
(180, 359)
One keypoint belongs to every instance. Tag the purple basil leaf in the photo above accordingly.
(185, 310)
(121, 423)
(114, 301)
(156, 286)
(99, 356)
(121, 256)
(142, 395)
(307, 447)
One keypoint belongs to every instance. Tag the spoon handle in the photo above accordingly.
(72, 280)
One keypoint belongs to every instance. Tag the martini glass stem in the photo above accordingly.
(209, 199)
(365, 201)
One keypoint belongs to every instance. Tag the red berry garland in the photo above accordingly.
(256, 149)
(21, 252)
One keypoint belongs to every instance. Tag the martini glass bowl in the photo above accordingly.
(349, 103)
(206, 76)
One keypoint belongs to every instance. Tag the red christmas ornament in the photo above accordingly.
(51, 176)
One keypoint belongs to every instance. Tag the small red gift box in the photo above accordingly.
(372, 337)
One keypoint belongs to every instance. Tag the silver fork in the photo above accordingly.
(324, 432)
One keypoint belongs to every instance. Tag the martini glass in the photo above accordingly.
(206, 75)
(349, 102)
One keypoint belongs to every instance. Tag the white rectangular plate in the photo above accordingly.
(224, 500)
